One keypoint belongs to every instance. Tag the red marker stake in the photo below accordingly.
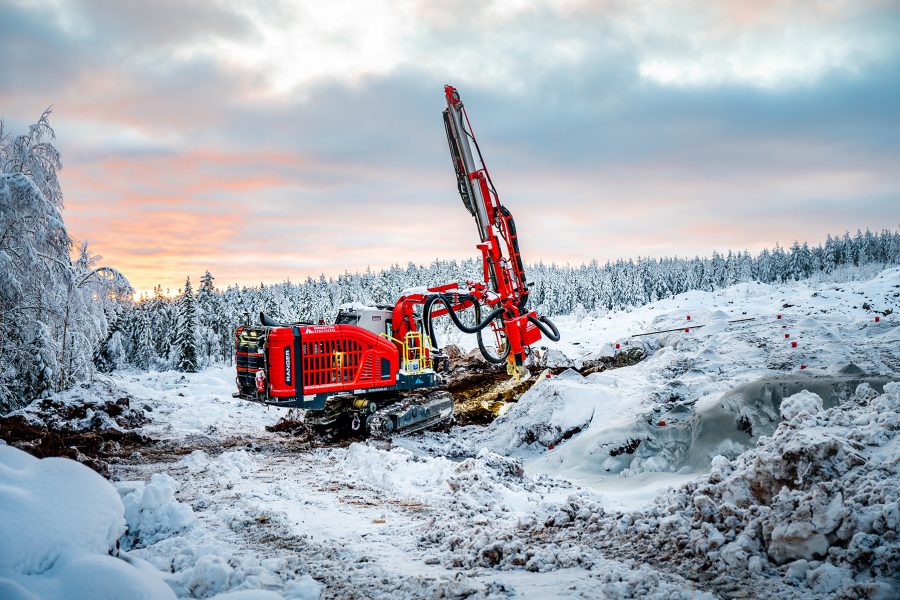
(787, 335)
(877, 319)
(793, 344)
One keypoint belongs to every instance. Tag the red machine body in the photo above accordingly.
(332, 359)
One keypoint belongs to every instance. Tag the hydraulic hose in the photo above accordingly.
(476, 329)
(552, 333)
(497, 360)
(426, 311)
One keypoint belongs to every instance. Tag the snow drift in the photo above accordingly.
(59, 534)
(700, 392)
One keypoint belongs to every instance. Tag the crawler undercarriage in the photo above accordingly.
(381, 416)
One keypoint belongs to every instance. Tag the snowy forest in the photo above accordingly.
(195, 329)
(63, 315)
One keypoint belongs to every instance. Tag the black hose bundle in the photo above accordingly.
(448, 300)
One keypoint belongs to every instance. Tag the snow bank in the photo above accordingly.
(195, 404)
(99, 405)
(700, 392)
(59, 526)
(816, 504)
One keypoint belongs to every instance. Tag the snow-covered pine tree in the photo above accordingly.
(849, 251)
(731, 269)
(144, 353)
(209, 315)
(186, 356)
(745, 267)
(39, 364)
(779, 264)
(795, 268)
(830, 257)
(859, 249)
(111, 353)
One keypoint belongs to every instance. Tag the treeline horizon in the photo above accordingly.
(846, 240)
(159, 331)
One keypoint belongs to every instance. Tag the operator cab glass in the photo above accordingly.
(346, 318)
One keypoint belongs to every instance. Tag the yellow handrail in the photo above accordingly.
(415, 356)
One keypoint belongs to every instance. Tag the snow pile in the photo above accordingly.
(804, 401)
(399, 470)
(816, 504)
(195, 405)
(151, 510)
(59, 526)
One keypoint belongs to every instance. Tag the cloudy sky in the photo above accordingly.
(272, 140)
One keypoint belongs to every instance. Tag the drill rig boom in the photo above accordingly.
(504, 272)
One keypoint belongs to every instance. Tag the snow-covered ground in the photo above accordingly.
(701, 471)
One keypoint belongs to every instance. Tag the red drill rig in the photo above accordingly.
(363, 370)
